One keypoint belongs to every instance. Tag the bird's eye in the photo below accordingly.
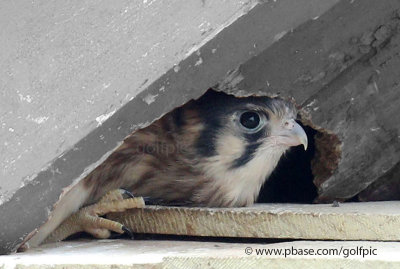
(250, 120)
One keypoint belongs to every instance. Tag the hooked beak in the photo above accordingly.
(293, 135)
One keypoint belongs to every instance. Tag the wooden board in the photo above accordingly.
(350, 221)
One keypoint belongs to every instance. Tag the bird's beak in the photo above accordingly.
(293, 134)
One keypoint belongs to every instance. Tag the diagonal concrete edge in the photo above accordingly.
(243, 37)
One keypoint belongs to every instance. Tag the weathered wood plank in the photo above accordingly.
(349, 221)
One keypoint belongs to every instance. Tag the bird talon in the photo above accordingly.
(127, 193)
(88, 219)
(128, 232)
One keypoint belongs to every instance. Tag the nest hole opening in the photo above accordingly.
(299, 173)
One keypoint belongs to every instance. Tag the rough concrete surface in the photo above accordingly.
(186, 254)
(67, 67)
(349, 221)
(77, 77)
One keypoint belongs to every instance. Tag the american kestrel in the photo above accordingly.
(216, 151)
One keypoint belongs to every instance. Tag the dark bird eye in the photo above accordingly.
(250, 120)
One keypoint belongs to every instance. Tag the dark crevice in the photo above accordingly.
(168, 237)
(292, 180)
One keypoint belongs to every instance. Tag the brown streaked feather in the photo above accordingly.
(157, 162)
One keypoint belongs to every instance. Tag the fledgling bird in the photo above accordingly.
(216, 151)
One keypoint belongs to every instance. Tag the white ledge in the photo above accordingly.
(187, 254)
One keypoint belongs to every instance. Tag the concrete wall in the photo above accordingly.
(77, 77)
(67, 66)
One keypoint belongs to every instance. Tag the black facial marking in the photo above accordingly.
(212, 106)
(215, 107)
(247, 155)
(206, 142)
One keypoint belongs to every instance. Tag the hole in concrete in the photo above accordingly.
(295, 180)
(299, 173)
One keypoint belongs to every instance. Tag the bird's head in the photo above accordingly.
(244, 138)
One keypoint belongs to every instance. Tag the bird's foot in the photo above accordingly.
(89, 219)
